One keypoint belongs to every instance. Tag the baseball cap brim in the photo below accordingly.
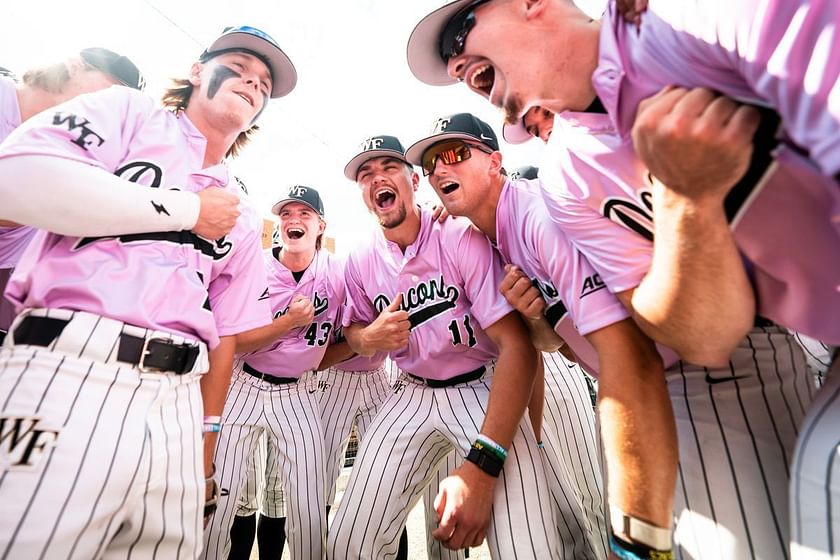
(415, 153)
(279, 205)
(351, 170)
(516, 133)
(283, 73)
(423, 50)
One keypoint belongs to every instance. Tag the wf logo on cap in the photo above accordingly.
(441, 124)
(372, 143)
(297, 191)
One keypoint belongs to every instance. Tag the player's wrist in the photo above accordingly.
(632, 538)
(487, 455)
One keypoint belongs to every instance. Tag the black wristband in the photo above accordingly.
(485, 461)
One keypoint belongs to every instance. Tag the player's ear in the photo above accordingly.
(496, 163)
(322, 226)
(195, 73)
(415, 181)
(532, 8)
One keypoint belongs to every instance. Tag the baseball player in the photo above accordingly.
(102, 448)
(426, 292)
(92, 69)
(274, 386)
(599, 170)
(463, 164)
(256, 495)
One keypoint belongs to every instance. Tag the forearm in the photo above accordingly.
(510, 392)
(542, 335)
(638, 432)
(255, 339)
(354, 334)
(696, 298)
(72, 198)
(537, 402)
(214, 387)
(335, 354)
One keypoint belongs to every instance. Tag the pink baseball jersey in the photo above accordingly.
(577, 300)
(301, 349)
(781, 226)
(13, 240)
(171, 281)
(775, 53)
(449, 278)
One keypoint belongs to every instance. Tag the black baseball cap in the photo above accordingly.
(304, 195)
(460, 126)
(525, 172)
(263, 46)
(6, 73)
(118, 67)
(375, 147)
(424, 45)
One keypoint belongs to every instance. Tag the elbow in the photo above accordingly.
(707, 355)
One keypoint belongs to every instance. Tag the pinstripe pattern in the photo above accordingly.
(815, 478)
(347, 398)
(125, 476)
(416, 428)
(254, 495)
(818, 354)
(736, 438)
(571, 463)
(288, 414)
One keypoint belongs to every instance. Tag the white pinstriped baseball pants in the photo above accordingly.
(347, 398)
(416, 428)
(123, 475)
(572, 466)
(815, 477)
(737, 427)
(288, 415)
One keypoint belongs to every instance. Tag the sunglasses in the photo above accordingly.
(452, 151)
(454, 35)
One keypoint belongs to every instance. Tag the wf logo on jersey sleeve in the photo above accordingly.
(85, 135)
(23, 442)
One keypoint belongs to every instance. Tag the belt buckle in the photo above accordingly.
(145, 352)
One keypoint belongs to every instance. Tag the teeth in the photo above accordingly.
(479, 80)
(244, 97)
(382, 194)
(445, 184)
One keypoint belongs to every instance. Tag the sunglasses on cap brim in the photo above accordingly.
(449, 152)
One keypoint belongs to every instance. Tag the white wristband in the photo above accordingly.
(635, 530)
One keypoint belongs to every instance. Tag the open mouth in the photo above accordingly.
(385, 199)
(246, 97)
(448, 187)
(481, 79)
(295, 233)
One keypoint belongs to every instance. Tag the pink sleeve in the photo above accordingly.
(94, 128)
(236, 294)
(357, 306)
(590, 304)
(481, 270)
(788, 53)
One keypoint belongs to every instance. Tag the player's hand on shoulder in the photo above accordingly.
(632, 10)
(695, 142)
(521, 293)
(301, 311)
(390, 330)
(440, 213)
(464, 503)
(218, 213)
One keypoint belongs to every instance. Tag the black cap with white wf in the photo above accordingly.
(375, 147)
(305, 195)
(118, 67)
(460, 126)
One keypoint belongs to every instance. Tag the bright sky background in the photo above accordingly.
(353, 80)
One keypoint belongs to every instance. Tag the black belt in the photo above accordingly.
(267, 377)
(147, 354)
(440, 383)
